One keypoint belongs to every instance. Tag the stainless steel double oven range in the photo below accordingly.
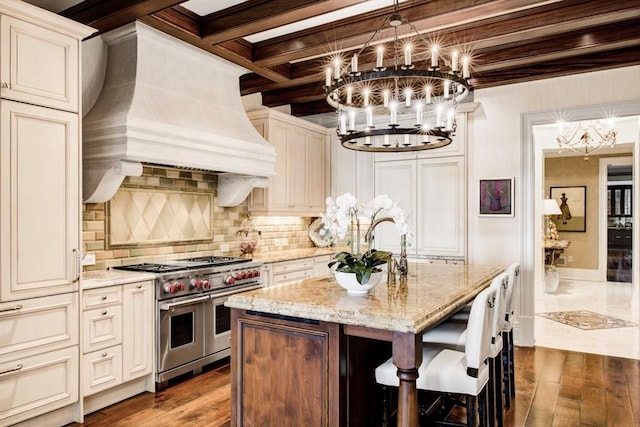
(193, 327)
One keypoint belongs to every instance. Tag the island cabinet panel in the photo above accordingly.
(295, 362)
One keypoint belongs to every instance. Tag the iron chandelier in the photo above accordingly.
(398, 107)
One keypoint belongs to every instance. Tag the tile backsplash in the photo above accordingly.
(109, 230)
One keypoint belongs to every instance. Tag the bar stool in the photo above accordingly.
(508, 360)
(453, 334)
(446, 371)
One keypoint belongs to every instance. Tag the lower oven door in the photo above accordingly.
(181, 332)
(218, 318)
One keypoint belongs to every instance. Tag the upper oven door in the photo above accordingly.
(181, 336)
(218, 318)
(218, 332)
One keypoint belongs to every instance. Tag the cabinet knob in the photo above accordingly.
(104, 312)
(139, 286)
(104, 354)
(5, 85)
(104, 297)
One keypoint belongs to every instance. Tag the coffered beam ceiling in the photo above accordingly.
(512, 40)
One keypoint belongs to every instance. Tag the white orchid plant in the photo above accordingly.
(343, 216)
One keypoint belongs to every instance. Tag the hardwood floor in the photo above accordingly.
(553, 388)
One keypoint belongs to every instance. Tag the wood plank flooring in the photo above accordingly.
(553, 388)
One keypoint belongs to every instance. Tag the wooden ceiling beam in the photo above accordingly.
(492, 23)
(560, 67)
(351, 33)
(161, 22)
(310, 108)
(289, 95)
(107, 15)
(256, 16)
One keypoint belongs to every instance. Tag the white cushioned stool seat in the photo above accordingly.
(441, 370)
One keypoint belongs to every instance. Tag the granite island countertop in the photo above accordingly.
(430, 294)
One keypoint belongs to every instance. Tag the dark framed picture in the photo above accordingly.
(496, 197)
(573, 204)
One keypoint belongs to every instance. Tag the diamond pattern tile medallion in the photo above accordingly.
(139, 216)
(586, 320)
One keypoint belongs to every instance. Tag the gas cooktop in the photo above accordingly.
(186, 264)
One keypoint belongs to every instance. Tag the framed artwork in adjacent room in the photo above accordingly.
(496, 197)
(573, 204)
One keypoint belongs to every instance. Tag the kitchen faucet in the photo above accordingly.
(402, 265)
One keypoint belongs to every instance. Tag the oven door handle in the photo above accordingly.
(235, 291)
(165, 306)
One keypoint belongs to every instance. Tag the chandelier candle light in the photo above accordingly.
(398, 106)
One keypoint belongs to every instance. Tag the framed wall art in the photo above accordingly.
(496, 197)
(573, 204)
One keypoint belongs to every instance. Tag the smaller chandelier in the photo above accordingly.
(406, 105)
(586, 137)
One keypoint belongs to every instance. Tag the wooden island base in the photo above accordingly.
(291, 371)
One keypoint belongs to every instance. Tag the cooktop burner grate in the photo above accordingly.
(151, 268)
(218, 260)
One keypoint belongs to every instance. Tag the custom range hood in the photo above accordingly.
(165, 102)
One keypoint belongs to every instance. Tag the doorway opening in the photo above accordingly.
(619, 218)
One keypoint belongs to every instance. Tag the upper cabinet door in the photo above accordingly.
(39, 201)
(442, 213)
(37, 65)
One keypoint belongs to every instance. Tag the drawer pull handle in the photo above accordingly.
(104, 312)
(104, 354)
(104, 297)
(14, 369)
(14, 308)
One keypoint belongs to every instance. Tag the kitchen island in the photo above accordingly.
(304, 353)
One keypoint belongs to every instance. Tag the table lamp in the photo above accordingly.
(550, 207)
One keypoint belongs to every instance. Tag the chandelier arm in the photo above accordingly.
(375, 33)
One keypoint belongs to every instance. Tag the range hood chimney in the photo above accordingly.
(166, 102)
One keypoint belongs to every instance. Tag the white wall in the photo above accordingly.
(496, 149)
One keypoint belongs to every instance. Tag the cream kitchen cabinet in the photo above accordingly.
(138, 329)
(25, 50)
(299, 186)
(351, 171)
(40, 207)
(433, 194)
(118, 335)
(39, 201)
(38, 356)
(321, 266)
(32, 386)
(286, 272)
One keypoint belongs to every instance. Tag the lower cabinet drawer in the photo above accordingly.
(102, 369)
(37, 325)
(34, 385)
(102, 328)
(296, 265)
(293, 276)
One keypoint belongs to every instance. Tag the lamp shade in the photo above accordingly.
(550, 207)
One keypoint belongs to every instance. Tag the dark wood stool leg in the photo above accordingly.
(492, 391)
(498, 389)
(512, 366)
(472, 411)
(506, 364)
(385, 406)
